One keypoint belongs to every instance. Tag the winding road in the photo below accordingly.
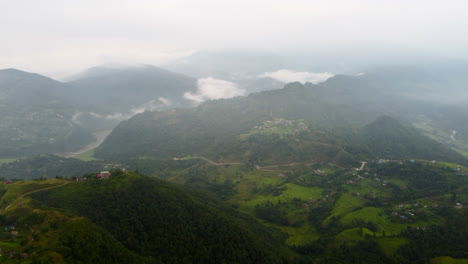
(210, 161)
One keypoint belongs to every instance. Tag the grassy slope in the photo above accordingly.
(5, 160)
(345, 204)
(86, 156)
(375, 215)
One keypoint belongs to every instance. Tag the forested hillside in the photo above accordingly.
(134, 219)
(298, 123)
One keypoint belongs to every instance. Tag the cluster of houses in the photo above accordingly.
(297, 126)
(102, 176)
(408, 211)
(358, 178)
(312, 203)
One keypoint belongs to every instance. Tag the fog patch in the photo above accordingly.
(152, 105)
(211, 88)
(115, 116)
(287, 76)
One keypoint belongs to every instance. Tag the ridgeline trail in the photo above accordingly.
(38, 190)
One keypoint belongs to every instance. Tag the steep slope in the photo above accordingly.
(149, 219)
(388, 138)
(35, 116)
(121, 89)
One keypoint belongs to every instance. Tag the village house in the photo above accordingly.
(104, 175)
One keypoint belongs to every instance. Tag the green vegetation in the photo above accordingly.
(301, 236)
(86, 156)
(7, 160)
(377, 216)
(448, 260)
(11, 192)
(49, 166)
(387, 138)
(299, 123)
(303, 193)
(269, 178)
(345, 204)
(328, 212)
(177, 225)
(90, 222)
(390, 245)
(350, 237)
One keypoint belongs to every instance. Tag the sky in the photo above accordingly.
(60, 37)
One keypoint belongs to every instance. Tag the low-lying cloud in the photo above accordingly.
(210, 89)
(152, 105)
(286, 76)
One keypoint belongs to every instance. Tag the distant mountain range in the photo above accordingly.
(41, 115)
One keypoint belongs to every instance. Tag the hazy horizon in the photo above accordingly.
(59, 38)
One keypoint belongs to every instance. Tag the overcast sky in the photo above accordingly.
(56, 37)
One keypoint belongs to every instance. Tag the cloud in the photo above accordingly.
(148, 106)
(287, 76)
(210, 88)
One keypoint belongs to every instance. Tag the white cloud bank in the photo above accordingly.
(287, 76)
(210, 88)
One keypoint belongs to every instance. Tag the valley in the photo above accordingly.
(310, 173)
(234, 132)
